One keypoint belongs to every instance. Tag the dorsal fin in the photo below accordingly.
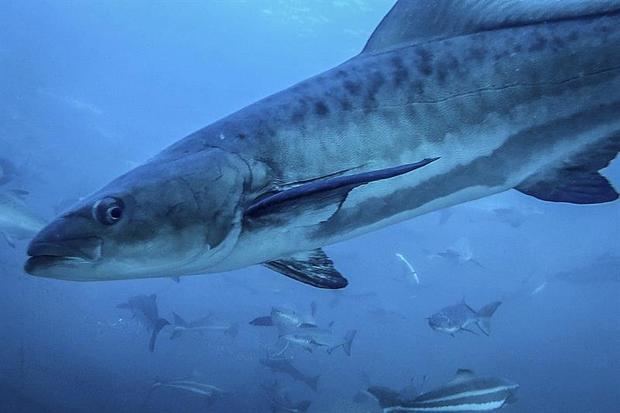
(463, 375)
(416, 21)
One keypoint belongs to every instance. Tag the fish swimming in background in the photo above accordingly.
(8, 171)
(286, 319)
(600, 270)
(467, 393)
(144, 309)
(17, 222)
(284, 365)
(311, 338)
(202, 325)
(280, 401)
(459, 253)
(206, 391)
(459, 317)
(448, 102)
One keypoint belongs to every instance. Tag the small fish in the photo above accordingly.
(201, 325)
(467, 393)
(539, 289)
(286, 319)
(284, 365)
(144, 310)
(313, 337)
(8, 171)
(412, 274)
(459, 253)
(280, 401)
(459, 317)
(602, 270)
(206, 391)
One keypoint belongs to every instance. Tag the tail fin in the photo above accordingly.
(176, 333)
(303, 406)
(161, 323)
(348, 341)
(233, 330)
(386, 397)
(312, 382)
(178, 321)
(264, 321)
(484, 316)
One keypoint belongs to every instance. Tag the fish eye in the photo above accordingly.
(108, 211)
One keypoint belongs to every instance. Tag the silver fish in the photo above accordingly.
(459, 317)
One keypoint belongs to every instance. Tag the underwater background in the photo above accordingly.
(92, 89)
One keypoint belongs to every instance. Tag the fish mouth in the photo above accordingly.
(66, 253)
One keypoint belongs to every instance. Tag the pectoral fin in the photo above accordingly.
(9, 240)
(313, 267)
(322, 197)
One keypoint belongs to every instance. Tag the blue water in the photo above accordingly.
(92, 89)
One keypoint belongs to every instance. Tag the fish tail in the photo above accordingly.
(386, 397)
(313, 382)
(161, 323)
(484, 316)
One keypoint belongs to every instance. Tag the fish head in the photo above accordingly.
(166, 218)
(442, 322)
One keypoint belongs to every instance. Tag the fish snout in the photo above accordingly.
(59, 244)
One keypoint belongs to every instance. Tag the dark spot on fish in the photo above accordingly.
(424, 61)
(375, 81)
(400, 72)
(242, 136)
(539, 43)
(341, 74)
(345, 104)
(417, 88)
(321, 109)
(557, 43)
(353, 87)
(573, 36)
(298, 116)
(444, 66)
(370, 103)
(476, 53)
(518, 48)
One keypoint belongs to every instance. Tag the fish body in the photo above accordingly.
(144, 309)
(8, 171)
(601, 270)
(17, 222)
(286, 319)
(456, 318)
(205, 324)
(313, 337)
(281, 403)
(466, 393)
(446, 104)
(285, 366)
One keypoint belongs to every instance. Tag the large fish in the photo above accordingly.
(466, 393)
(448, 102)
(17, 222)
